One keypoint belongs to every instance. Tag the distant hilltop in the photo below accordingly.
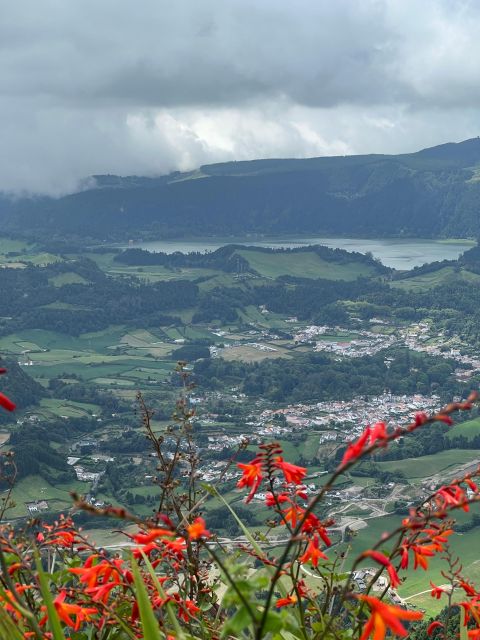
(434, 192)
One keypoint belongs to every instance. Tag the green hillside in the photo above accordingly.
(431, 193)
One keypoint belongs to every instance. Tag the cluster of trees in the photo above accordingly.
(228, 259)
(19, 386)
(317, 377)
(30, 300)
(34, 453)
(84, 392)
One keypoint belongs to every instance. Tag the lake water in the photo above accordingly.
(396, 253)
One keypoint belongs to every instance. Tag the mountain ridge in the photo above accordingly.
(433, 192)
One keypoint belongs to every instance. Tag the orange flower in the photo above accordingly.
(177, 546)
(63, 539)
(187, 608)
(452, 496)
(293, 474)
(285, 602)
(92, 574)
(252, 477)
(293, 514)
(197, 529)
(385, 617)
(420, 555)
(383, 560)
(151, 535)
(313, 553)
(67, 611)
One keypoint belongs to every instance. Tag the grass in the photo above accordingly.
(426, 281)
(245, 353)
(35, 487)
(465, 545)
(305, 265)
(70, 277)
(68, 408)
(468, 429)
(426, 466)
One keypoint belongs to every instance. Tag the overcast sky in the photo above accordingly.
(146, 87)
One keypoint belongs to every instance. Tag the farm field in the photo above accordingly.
(36, 487)
(468, 429)
(247, 353)
(416, 469)
(423, 282)
(302, 265)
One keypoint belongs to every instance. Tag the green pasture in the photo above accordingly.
(468, 429)
(426, 466)
(246, 353)
(87, 372)
(35, 487)
(8, 245)
(67, 408)
(113, 382)
(69, 277)
(425, 281)
(156, 273)
(304, 265)
(42, 339)
(38, 259)
(465, 545)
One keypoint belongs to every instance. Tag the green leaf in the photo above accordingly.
(463, 627)
(237, 623)
(147, 616)
(8, 629)
(170, 612)
(251, 539)
(52, 616)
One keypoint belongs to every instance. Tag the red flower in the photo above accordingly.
(65, 612)
(420, 555)
(313, 553)
(383, 560)
(293, 514)
(385, 617)
(252, 477)
(272, 500)
(378, 432)
(177, 546)
(420, 418)
(197, 529)
(6, 403)
(187, 609)
(472, 485)
(285, 602)
(151, 535)
(452, 496)
(434, 625)
(436, 592)
(293, 474)
(355, 449)
(468, 588)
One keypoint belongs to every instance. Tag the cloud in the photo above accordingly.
(112, 86)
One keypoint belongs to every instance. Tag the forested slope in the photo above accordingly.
(434, 192)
